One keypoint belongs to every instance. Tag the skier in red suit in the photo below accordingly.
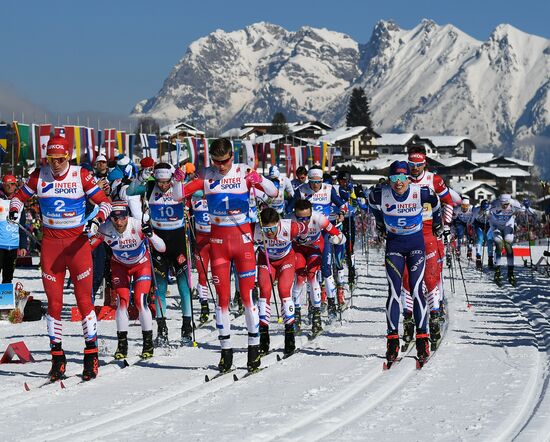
(62, 190)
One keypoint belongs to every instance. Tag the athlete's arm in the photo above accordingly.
(23, 194)
(95, 194)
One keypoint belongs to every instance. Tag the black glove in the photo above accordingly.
(381, 230)
(13, 216)
(437, 230)
(147, 230)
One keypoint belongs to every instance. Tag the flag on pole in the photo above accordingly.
(288, 159)
(45, 130)
(17, 144)
(59, 131)
(100, 142)
(121, 142)
(250, 157)
(144, 142)
(90, 147)
(191, 145)
(131, 145)
(178, 152)
(4, 136)
(316, 155)
(206, 146)
(110, 143)
(24, 142)
(153, 147)
(35, 142)
(273, 153)
(324, 157)
(330, 157)
(77, 144)
(68, 133)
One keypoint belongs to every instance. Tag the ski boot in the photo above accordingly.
(316, 326)
(341, 295)
(240, 308)
(59, 361)
(449, 259)
(469, 255)
(351, 275)
(511, 276)
(457, 253)
(254, 360)
(264, 339)
(479, 264)
(422, 348)
(392, 347)
(331, 310)
(205, 312)
(122, 347)
(162, 333)
(91, 362)
(498, 276)
(435, 329)
(186, 331)
(226, 360)
(490, 262)
(148, 347)
(290, 343)
(408, 330)
(298, 318)
(323, 298)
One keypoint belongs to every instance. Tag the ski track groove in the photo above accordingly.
(535, 391)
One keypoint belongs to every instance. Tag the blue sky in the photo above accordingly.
(104, 55)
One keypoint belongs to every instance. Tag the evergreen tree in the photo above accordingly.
(358, 109)
(278, 124)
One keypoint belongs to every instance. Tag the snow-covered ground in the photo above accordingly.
(488, 381)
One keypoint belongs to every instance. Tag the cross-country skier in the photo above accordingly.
(277, 266)
(227, 186)
(322, 196)
(62, 190)
(309, 248)
(168, 221)
(502, 221)
(461, 219)
(398, 209)
(301, 177)
(127, 237)
(484, 236)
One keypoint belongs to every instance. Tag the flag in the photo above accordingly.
(206, 152)
(4, 136)
(250, 156)
(17, 144)
(273, 152)
(144, 142)
(316, 155)
(59, 131)
(288, 159)
(324, 157)
(35, 142)
(131, 145)
(153, 147)
(68, 133)
(45, 130)
(330, 157)
(178, 151)
(90, 145)
(110, 143)
(121, 142)
(24, 142)
(77, 144)
(99, 141)
(191, 145)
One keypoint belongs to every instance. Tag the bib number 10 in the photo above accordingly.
(166, 211)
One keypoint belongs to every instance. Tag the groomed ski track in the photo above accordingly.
(488, 380)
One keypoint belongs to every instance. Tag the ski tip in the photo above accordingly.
(279, 358)
(206, 378)
(26, 387)
(385, 366)
(235, 378)
(62, 385)
(469, 306)
(195, 344)
(125, 363)
(280, 320)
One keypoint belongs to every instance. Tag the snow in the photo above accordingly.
(343, 133)
(504, 172)
(445, 141)
(393, 139)
(488, 381)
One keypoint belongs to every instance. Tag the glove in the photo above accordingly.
(253, 178)
(361, 201)
(13, 216)
(179, 175)
(381, 230)
(337, 239)
(301, 239)
(145, 174)
(437, 230)
(92, 226)
(147, 230)
(446, 234)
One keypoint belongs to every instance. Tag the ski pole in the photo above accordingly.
(279, 320)
(188, 273)
(194, 238)
(464, 283)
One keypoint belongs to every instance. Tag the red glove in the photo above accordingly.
(179, 175)
(253, 178)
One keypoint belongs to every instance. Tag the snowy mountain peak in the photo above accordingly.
(429, 79)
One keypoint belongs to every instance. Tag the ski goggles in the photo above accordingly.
(303, 218)
(59, 160)
(222, 162)
(270, 229)
(401, 177)
(420, 164)
(315, 181)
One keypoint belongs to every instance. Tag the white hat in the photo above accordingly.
(124, 161)
(101, 158)
(274, 172)
(315, 173)
(505, 198)
(465, 200)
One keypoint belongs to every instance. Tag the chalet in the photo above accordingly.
(509, 162)
(394, 144)
(453, 169)
(180, 130)
(476, 190)
(241, 133)
(311, 129)
(505, 179)
(352, 142)
(452, 146)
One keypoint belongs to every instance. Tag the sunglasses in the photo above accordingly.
(413, 164)
(118, 217)
(59, 160)
(270, 229)
(315, 181)
(303, 218)
(222, 162)
(401, 177)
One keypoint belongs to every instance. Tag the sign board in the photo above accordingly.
(7, 297)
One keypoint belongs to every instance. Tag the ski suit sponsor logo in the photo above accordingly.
(46, 187)
(65, 188)
(216, 240)
(230, 183)
(406, 207)
(390, 208)
(84, 274)
(213, 184)
(247, 274)
(49, 277)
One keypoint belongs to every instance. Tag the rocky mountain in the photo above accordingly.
(431, 80)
